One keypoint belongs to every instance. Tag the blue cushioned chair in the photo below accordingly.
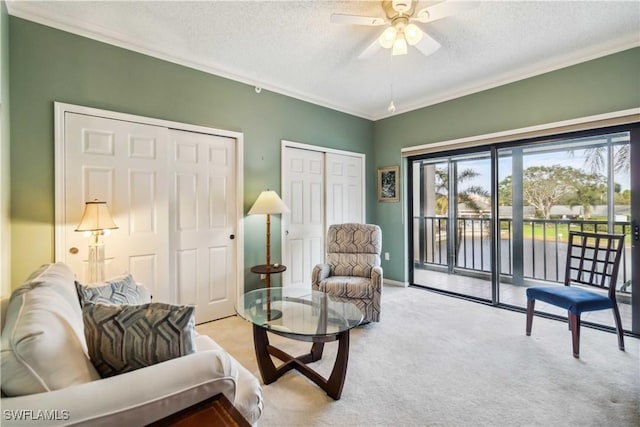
(592, 260)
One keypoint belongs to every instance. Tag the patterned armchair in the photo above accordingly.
(352, 270)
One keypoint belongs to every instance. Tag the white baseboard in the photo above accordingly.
(390, 282)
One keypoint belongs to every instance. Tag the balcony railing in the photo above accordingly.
(544, 245)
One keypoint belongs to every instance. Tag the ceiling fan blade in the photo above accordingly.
(342, 18)
(372, 49)
(442, 10)
(427, 45)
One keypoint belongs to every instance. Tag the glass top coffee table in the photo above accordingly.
(303, 315)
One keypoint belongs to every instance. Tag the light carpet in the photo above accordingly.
(440, 361)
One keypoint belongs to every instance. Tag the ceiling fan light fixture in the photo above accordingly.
(413, 34)
(388, 37)
(400, 16)
(399, 46)
(391, 108)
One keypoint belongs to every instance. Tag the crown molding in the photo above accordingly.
(102, 34)
(523, 74)
(27, 11)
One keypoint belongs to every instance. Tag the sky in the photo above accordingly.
(483, 167)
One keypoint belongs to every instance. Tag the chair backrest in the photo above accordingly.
(593, 259)
(353, 249)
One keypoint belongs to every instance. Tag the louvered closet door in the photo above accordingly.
(203, 221)
(124, 164)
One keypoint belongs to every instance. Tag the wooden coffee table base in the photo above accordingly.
(269, 372)
(215, 411)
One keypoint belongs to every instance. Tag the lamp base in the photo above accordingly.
(96, 263)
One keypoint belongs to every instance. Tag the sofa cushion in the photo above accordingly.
(118, 290)
(123, 338)
(43, 346)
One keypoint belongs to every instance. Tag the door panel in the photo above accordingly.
(203, 220)
(537, 221)
(320, 189)
(116, 162)
(451, 223)
(542, 191)
(634, 157)
(186, 264)
(295, 265)
(173, 196)
(344, 189)
(303, 193)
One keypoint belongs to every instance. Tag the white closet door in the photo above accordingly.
(303, 193)
(344, 189)
(203, 221)
(121, 163)
(173, 196)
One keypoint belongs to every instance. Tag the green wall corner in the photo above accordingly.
(604, 85)
(48, 65)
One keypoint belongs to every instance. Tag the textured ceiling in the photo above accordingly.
(290, 47)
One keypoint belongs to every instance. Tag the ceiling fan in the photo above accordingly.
(400, 16)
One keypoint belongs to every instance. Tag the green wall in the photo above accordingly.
(49, 65)
(603, 85)
(5, 166)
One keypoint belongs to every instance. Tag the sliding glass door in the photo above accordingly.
(490, 222)
(547, 190)
(452, 222)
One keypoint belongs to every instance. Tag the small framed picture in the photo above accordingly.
(389, 184)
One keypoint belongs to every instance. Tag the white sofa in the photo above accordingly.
(44, 352)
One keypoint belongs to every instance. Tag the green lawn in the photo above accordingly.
(539, 231)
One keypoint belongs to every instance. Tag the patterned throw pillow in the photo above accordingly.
(123, 338)
(119, 290)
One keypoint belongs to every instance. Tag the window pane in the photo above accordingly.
(547, 190)
(452, 220)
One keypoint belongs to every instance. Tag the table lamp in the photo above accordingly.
(95, 220)
(269, 203)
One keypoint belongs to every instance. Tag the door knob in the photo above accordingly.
(233, 236)
(73, 250)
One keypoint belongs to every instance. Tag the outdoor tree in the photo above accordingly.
(589, 190)
(623, 198)
(596, 158)
(505, 196)
(468, 195)
(545, 186)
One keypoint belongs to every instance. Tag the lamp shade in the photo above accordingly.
(268, 202)
(96, 217)
(387, 37)
(413, 34)
(399, 46)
